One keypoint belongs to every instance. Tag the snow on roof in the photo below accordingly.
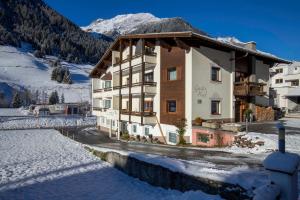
(283, 162)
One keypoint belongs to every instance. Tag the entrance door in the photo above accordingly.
(240, 107)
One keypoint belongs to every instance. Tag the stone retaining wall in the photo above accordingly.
(160, 176)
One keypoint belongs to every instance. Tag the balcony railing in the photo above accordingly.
(135, 84)
(135, 113)
(99, 109)
(102, 89)
(248, 89)
(133, 57)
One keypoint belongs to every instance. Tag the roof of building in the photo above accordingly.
(183, 40)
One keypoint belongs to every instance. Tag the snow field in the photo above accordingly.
(43, 164)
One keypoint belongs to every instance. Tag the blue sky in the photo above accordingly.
(273, 24)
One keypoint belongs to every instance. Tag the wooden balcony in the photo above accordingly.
(248, 89)
(99, 109)
(135, 113)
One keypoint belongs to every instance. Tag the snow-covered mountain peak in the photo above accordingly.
(120, 23)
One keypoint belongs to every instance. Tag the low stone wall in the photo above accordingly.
(160, 176)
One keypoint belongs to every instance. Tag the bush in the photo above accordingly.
(198, 121)
(125, 136)
(138, 137)
(181, 124)
(151, 138)
(144, 139)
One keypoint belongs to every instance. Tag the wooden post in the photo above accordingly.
(130, 79)
(120, 85)
(143, 82)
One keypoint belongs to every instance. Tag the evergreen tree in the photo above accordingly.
(67, 77)
(37, 96)
(17, 102)
(53, 99)
(62, 98)
(27, 98)
(54, 74)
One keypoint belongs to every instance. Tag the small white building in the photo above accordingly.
(285, 83)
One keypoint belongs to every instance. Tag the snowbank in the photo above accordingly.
(43, 164)
(245, 176)
(44, 122)
(284, 162)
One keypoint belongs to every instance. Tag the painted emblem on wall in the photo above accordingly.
(201, 91)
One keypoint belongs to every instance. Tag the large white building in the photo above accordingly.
(144, 83)
(285, 82)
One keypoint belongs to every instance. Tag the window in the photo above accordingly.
(149, 77)
(134, 128)
(215, 107)
(147, 131)
(107, 104)
(279, 70)
(173, 137)
(215, 74)
(277, 81)
(148, 106)
(107, 122)
(171, 106)
(172, 74)
(295, 83)
(113, 123)
(202, 137)
(107, 84)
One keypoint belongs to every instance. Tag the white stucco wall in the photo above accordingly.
(203, 89)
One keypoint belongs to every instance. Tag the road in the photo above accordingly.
(224, 160)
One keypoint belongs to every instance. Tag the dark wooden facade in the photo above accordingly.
(172, 89)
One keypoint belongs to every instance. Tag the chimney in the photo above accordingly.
(251, 45)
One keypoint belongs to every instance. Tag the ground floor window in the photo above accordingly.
(173, 137)
(215, 107)
(134, 128)
(202, 137)
(147, 131)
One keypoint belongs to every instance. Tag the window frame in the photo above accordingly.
(279, 71)
(167, 105)
(149, 75)
(218, 70)
(169, 70)
(148, 106)
(107, 100)
(218, 108)
(278, 81)
(148, 131)
(134, 128)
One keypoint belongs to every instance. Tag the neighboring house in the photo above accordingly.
(41, 110)
(63, 108)
(144, 83)
(285, 83)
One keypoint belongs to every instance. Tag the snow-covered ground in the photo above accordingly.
(44, 122)
(245, 176)
(20, 69)
(11, 112)
(43, 164)
(270, 144)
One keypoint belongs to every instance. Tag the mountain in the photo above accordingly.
(20, 70)
(120, 24)
(48, 32)
(138, 23)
